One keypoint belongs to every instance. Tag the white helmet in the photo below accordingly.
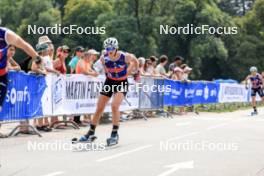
(253, 69)
(111, 43)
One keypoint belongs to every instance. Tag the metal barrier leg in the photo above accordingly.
(137, 114)
(32, 132)
(2, 135)
(66, 123)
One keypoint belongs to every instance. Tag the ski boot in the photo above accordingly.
(254, 113)
(113, 140)
(84, 139)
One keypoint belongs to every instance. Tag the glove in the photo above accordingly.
(137, 76)
(38, 60)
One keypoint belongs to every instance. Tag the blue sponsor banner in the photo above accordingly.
(23, 98)
(190, 93)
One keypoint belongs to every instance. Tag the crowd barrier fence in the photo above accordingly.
(32, 96)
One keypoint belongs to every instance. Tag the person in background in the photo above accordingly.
(59, 63)
(177, 63)
(77, 55)
(84, 66)
(160, 69)
(154, 60)
(48, 61)
(12, 64)
(98, 66)
(149, 68)
(45, 39)
(42, 124)
(177, 76)
(186, 72)
(141, 61)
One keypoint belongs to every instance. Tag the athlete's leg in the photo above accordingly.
(117, 100)
(254, 103)
(261, 94)
(102, 102)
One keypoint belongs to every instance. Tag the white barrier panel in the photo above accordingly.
(47, 97)
(78, 94)
(232, 93)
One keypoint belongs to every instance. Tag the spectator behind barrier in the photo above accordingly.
(45, 40)
(42, 124)
(141, 61)
(177, 62)
(61, 55)
(84, 66)
(37, 65)
(149, 68)
(78, 53)
(186, 72)
(160, 69)
(98, 66)
(12, 64)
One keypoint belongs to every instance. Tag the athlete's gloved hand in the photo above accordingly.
(137, 76)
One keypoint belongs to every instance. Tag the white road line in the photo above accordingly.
(177, 166)
(183, 136)
(124, 153)
(54, 173)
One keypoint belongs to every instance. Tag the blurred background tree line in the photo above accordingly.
(135, 23)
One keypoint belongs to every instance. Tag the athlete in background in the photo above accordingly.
(256, 87)
(8, 37)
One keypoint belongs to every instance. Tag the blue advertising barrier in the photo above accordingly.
(27, 95)
(23, 98)
(190, 93)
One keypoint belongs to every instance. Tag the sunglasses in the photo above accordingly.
(110, 49)
(66, 52)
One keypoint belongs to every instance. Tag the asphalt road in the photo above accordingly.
(209, 144)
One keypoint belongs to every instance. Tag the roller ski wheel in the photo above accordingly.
(84, 139)
(112, 141)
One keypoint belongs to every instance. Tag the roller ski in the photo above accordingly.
(254, 113)
(84, 139)
(113, 140)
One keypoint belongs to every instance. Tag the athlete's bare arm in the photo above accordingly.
(246, 81)
(133, 63)
(14, 39)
